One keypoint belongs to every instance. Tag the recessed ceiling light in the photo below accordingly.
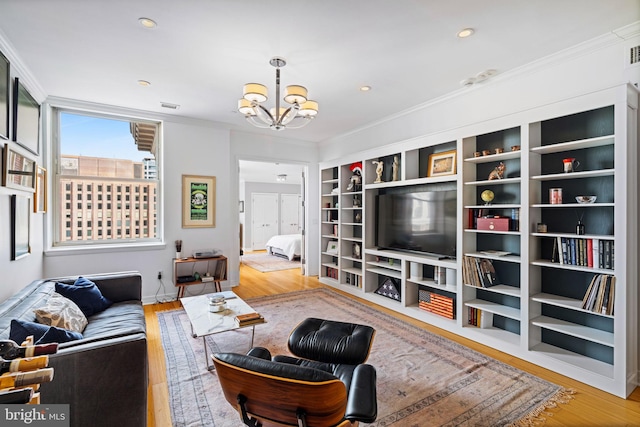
(365, 88)
(465, 32)
(144, 83)
(147, 22)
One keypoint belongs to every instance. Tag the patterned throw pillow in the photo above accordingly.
(62, 313)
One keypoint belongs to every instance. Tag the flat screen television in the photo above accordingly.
(420, 221)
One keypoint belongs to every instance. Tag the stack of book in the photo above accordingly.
(249, 319)
(600, 294)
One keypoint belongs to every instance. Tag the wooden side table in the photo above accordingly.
(215, 270)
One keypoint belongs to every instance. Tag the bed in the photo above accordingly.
(285, 245)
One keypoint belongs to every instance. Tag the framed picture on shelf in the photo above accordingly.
(20, 227)
(198, 201)
(332, 247)
(40, 199)
(4, 97)
(26, 118)
(441, 164)
(18, 170)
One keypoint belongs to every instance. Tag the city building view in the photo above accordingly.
(105, 198)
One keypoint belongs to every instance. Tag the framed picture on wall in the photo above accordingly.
(18, 170)
(26, 118)
(4, 97)
(198, 201)
(20, 226)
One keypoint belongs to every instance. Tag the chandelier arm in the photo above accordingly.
(288, 115)
(257, 123)
(263, 114)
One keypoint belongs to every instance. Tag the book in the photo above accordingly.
(247, 316)
(250, 322)
(589, 252)
(248, 319)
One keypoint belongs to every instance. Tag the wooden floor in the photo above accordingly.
(589, 407)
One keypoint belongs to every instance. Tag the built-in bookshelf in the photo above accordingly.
(550, 281)
(491, 192)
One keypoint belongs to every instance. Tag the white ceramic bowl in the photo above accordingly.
(583, 200)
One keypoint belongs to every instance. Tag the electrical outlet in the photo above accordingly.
(159, 275)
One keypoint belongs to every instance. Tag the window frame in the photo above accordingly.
(57, 216)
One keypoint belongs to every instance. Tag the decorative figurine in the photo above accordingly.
(498, 172)
(356, 177)
(379, 169)
(395, 168)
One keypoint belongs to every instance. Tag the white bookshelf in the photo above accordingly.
(535, 310)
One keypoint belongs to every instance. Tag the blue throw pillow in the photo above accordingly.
(85, 294)
(42, 334)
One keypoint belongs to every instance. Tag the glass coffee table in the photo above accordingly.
(204, 322)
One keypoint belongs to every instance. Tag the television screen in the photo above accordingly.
(421, 221)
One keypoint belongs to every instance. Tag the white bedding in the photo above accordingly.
(285, 244)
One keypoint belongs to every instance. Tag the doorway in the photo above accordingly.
(261, 184)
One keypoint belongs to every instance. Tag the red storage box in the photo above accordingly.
(493, 224)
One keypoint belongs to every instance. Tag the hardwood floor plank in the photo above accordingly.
(589, 406)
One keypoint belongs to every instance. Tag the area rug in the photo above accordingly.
(264, 262)
(423, 379)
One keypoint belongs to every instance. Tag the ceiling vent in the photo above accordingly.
(634, 55)
(169, 105)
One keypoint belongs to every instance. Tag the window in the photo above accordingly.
(98, 154)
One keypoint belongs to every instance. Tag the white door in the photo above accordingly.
(264, 218)
(290, 213)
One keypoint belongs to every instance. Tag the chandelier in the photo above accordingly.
(300, 113)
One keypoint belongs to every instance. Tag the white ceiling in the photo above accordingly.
(203, 51)
(251, 171)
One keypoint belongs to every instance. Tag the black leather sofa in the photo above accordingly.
(104, 376)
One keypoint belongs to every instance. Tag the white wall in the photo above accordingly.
(186, 144)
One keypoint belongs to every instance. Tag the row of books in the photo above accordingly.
(248, 319)
(478, 272)
(353, 279)
(480, 318)
(332, 273)
(595, 253)
(600, 294)
(436, 303)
